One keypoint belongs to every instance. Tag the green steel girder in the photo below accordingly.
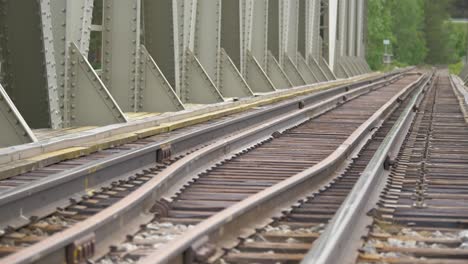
(128, 71)
(160, 36)
(29, 75)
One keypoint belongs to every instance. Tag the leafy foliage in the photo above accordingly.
(420, 32)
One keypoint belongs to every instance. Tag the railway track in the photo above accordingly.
(423, 213)
(250, 172)
(176, 215)
(36, 194)
(289, 237)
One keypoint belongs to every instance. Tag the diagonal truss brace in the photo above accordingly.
(198, 87)
(305, 70)
(87, 100)
(292, 72)
(155, 93)
(231, 82)
(256, 77)
(14, 130)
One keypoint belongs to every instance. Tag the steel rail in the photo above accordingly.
(340, 240)
(226, 224)
(42, 197)
(114, 222)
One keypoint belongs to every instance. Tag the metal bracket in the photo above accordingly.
(14, 130)
(292, 72)
(256, 77)
(231, 83)
(321, 75)
(327, 70)
(276, 74)
(156, 94)
(198, 87)
(305, 70)
(87, 100)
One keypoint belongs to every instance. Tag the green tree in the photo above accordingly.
(438, 31)
(407, 27)
(379, 28)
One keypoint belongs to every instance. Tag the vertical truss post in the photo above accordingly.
(88, 102)
(255, 45)
(312, 44)
(121, 51)
(15, 131)
(83, 87)
(216, 62)
(201, 51)
(292, 31)
(129, 72)
(351, 28)
(360, 29)
(289, 11)
(274, 38)
(28, 66)
(274, 29)
(161, 37)
(332, 34)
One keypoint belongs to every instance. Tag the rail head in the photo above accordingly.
(340, 240)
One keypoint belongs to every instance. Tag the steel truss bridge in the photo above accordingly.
(222, 131)
(163, 56)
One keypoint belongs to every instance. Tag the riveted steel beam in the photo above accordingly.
(130, 73)
(231, 30)
(352, 19)
(207, 40)
(29, 75)
(200, 59)
(312, 22)
(258, 44)
(161, 37)
(121, 51)
(274, 29)
(88, 102)
(309, 36)
(291, 34)
(254, 48)
(360, 48)
(15, 131)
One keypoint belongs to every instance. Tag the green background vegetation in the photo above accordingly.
(420, 31)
